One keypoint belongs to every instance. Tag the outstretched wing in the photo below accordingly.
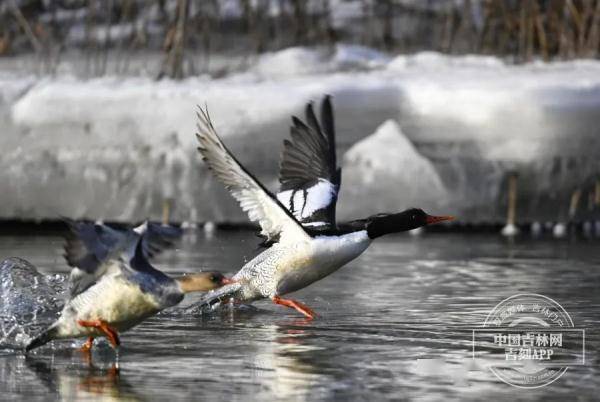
(309, 176)
(275, 221)
(157, 237)
(88, 244)
(87, 247)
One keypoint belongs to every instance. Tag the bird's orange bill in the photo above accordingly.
(435, 219)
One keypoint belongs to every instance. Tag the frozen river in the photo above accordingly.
(395, 324)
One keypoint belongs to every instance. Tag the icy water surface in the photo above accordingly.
(394, 324)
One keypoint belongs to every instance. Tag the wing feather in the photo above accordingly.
(88, 244)
(87, 247)
(275, 220)
(158, 237)
(309, 176)
(90, 247)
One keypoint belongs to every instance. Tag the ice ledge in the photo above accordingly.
(386, 169)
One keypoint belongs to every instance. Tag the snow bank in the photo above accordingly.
(354, 57)
(115, 148)
(432, 61)
(111, 111)
(387, 169)
(13, 86)
(300, 61)
(119, 149)
(291, 62)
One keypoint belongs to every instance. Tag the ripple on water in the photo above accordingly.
(395, 324)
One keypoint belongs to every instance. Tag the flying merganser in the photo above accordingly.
(89, 245)
(127, 291)
(304, 242)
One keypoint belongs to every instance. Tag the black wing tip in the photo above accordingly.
(309, 110)
(311, 141)
(327, 114)
(328, 124)
(297, 122)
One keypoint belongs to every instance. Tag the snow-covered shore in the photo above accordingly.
(115, 147)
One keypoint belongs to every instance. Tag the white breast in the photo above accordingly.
(114, 300)
(325, 255)
(336, 251)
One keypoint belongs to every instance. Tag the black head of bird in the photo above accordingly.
(413, 218)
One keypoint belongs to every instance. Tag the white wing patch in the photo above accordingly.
(303, 203)
(319, 197)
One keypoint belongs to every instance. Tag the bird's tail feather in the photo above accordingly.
(42, 338)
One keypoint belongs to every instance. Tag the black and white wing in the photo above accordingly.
(309, 176)
(275, 221)
(87, 247)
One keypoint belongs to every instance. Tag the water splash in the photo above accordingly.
(29, 300)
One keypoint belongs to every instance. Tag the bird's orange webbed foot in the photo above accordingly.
(109, 332)
(300, 307)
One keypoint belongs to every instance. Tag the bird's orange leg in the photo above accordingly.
(86, 350)
(110, 333)
(87, 346)
(302, 308)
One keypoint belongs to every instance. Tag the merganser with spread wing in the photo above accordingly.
(304, 242)
(124, 291)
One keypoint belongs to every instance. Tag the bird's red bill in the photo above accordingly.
(227, 281)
